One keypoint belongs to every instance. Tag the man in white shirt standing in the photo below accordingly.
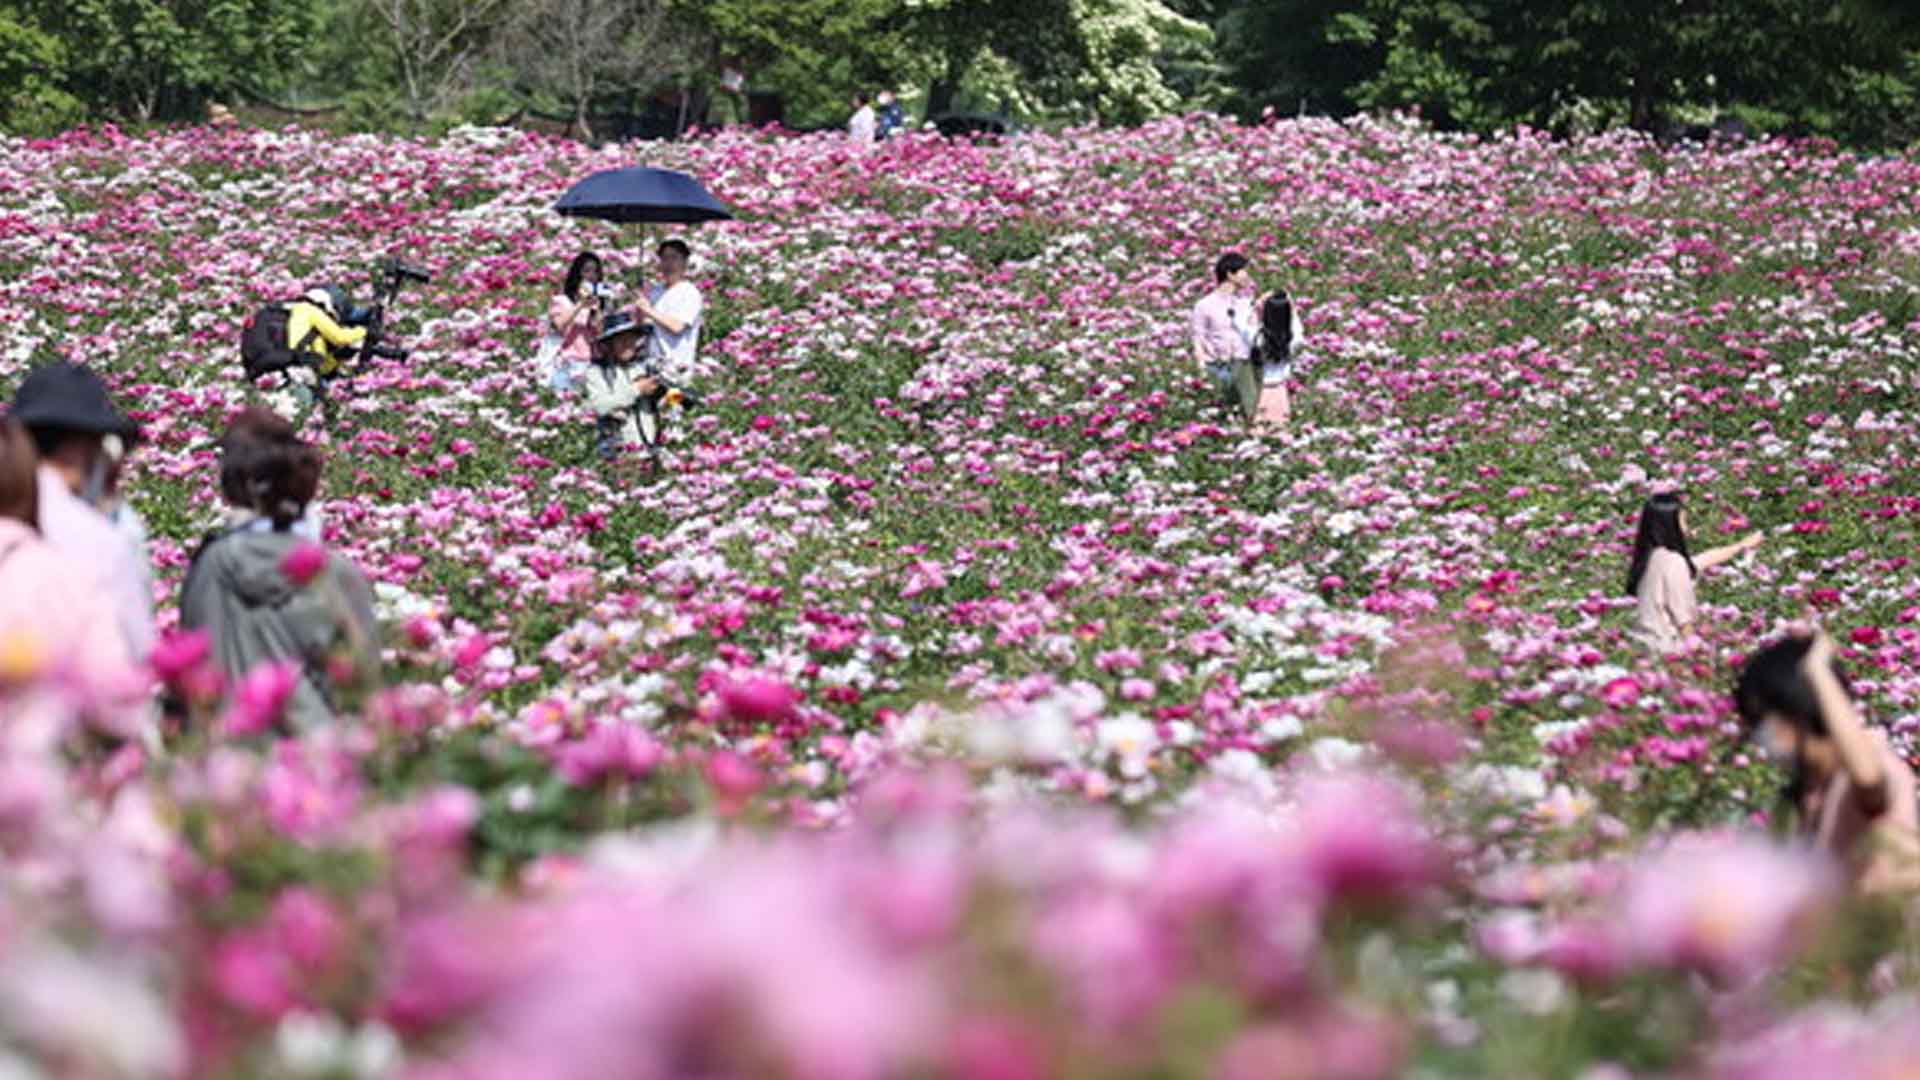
(673, 306)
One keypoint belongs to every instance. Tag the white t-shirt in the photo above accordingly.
(864, 125)
(673, 354)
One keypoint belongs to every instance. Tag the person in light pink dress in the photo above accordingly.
(1853, 794)
(573, 318)
(1663, 570)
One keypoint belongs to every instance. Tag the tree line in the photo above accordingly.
(1846, 69)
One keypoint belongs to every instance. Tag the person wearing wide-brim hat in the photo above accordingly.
(616, 389)
(66, 409)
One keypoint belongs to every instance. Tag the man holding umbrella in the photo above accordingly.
(673, 306)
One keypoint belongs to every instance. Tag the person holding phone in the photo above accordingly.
(1851, 792)
(574, 319)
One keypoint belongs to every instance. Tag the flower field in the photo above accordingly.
(964, 697)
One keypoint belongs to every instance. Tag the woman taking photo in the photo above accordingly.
(1851, 792)
(573, 321)
(1661, 576)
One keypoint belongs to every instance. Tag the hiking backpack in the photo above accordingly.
(263, 342)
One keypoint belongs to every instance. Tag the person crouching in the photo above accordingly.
(618, 389)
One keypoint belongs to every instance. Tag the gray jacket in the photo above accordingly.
(237, 590)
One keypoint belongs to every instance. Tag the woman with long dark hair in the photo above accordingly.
(1663, 569)
(1852, 793)
(573, 320)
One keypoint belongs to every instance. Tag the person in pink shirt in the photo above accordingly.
(574, 317)
(1224, 327)
(1852, 792)
(52, 618)
(67, 413)
(1662, 572)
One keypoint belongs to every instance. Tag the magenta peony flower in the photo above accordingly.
(180, 653)
(261, 698)
(1358, 838)
(303, 563)
(306, 927)
(615, 749)
(252, 974)
(757, 700)
(1621, 692)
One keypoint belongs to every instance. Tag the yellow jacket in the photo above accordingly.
(328, 335)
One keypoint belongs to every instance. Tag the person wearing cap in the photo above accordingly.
(616, 388)
(313, 325)
(66, 410)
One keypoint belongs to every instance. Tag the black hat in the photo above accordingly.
(68, 397)
(620, 322)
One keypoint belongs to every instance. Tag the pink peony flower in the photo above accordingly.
(1358, 838)
(757, 700)
(303, 563)
(1727, 906)
(252, 974)
(261, 698)
(306, 927)
(1621, 692)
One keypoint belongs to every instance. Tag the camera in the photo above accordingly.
(599, 290)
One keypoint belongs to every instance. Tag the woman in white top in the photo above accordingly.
(1853, 794)
(1662, 573)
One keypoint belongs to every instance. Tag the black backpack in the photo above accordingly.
(263, 342)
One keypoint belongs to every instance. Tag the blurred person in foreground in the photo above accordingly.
(55, 624)
(268, 595)
(66, 410)
(1851, 792)
(1663, 569)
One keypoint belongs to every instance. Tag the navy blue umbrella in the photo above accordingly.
(642, 194)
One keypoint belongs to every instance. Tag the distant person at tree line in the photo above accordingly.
(1225, 327)
(892, 116)
(863, 127)
(574, 317)
(1852, 793)
(1661, 574)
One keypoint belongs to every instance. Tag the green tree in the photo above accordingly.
(32, 63)
(149, 60)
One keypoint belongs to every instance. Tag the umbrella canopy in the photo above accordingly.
(641, 194)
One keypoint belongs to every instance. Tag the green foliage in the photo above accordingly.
(33, 103)
(148, 61)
